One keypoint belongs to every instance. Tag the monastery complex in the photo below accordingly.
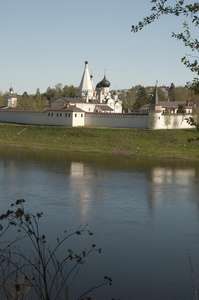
(96, 106)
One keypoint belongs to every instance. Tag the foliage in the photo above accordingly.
(181, 109)
(142, 99)
(38, 273)
(188, 12)
(60, 91)
(2, 100)
(183, 94)
(193, 122)
(129, 98)
(32, 102)
(161, 95)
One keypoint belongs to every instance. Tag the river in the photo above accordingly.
(144, 214)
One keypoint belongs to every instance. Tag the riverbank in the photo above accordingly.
(159, 143)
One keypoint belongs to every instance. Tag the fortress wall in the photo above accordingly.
(42, 118)
(154, 120)
(170, 121)
(116, 120)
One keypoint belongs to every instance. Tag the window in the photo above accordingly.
(75, 115)
(51, 114)
(60, 114)
(69, 115)
(81, 115)
(57, 115)
(65, 114)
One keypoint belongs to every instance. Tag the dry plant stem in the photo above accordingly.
(36, 269)
(193, 278)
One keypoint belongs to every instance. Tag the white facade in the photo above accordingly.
(10, 99)
(50, 117)
(157, 120)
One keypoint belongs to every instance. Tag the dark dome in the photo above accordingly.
(104, 83)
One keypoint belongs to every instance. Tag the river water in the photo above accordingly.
(144, 214)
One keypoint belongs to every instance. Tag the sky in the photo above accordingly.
(45, 42)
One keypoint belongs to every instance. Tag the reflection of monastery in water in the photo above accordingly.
(81, 176)
(96, 107)
(168, 184)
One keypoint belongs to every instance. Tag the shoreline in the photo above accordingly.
(166, 144)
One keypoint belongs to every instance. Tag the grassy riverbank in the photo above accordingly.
(160, 143)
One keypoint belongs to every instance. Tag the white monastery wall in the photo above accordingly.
(43, 118)
(157, 120)
(116, 120)
(154, 120)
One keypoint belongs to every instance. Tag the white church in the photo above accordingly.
(91, 99)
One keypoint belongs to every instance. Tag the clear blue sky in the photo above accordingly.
(45, 42)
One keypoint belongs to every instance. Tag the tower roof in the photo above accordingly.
(155, 99)
(85, 84)
(104, 83)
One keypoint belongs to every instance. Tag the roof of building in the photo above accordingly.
(172, 104)
(155, 99)
(104, 107)
(69, 108)
(69, 100)
(104, 83)
(85, 84)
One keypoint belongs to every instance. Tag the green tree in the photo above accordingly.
(184, 94)
(142, 99)
(69, 91)
(2, 99)
(39, 101)
(181, 109)
(58, 89)
(188, 12)
(24, 102)
(161, 95)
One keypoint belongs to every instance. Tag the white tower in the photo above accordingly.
(85, 88)
(10, 99)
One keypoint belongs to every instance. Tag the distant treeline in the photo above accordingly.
(132, 98)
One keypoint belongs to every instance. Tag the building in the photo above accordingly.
(169, 107)
(10, 99)
(91, 99)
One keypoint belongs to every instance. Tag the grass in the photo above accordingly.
(160, 143)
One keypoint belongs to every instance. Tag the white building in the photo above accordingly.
(90, 99)
(10, 99)
(169, 107)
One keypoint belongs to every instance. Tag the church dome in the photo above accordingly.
(104, 83)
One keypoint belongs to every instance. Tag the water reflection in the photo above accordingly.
(170, 176)
(170, 184)
(143, 213)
